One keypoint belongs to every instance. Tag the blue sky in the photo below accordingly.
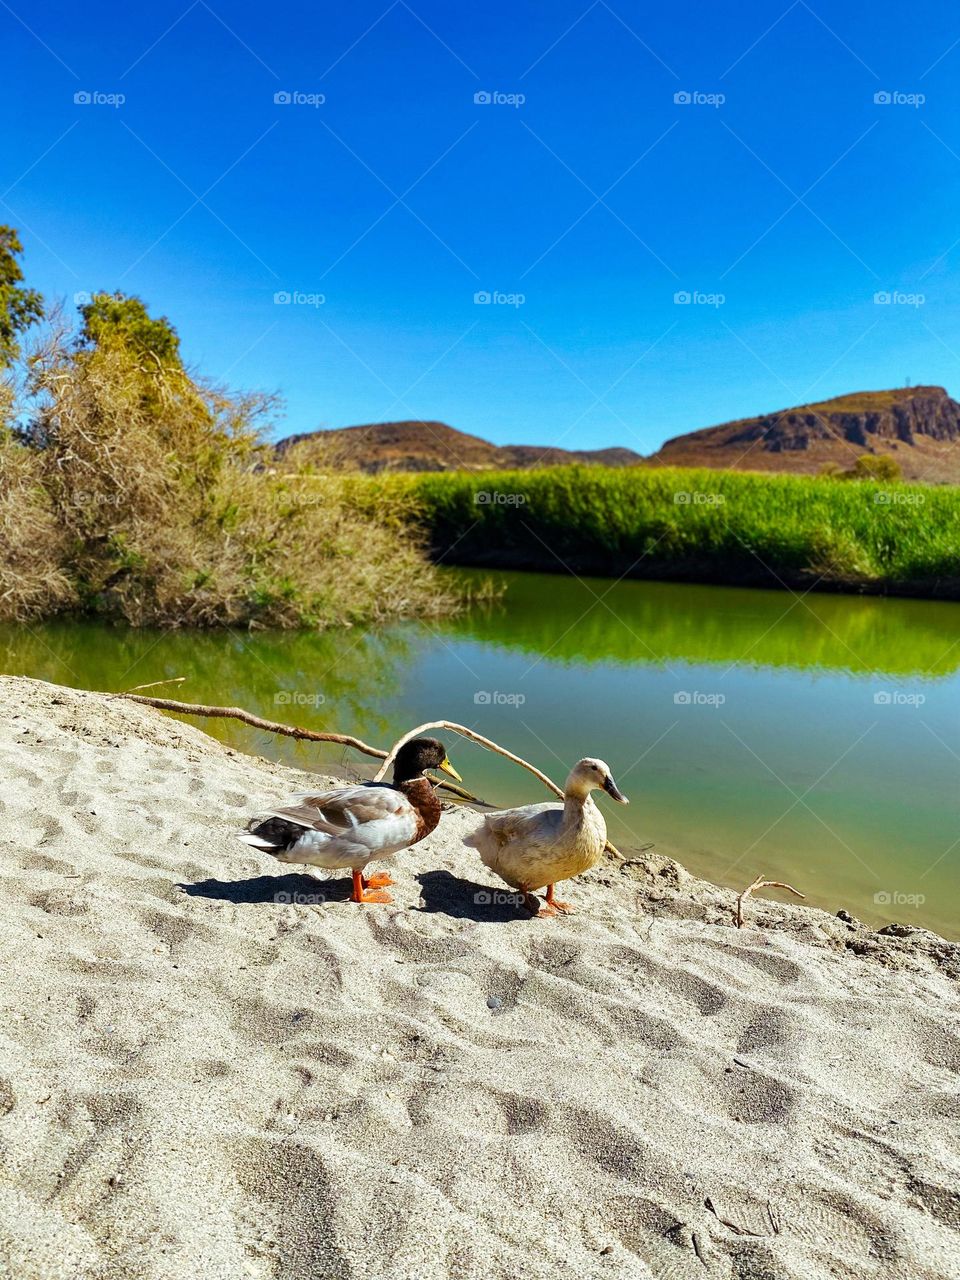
(782, 197)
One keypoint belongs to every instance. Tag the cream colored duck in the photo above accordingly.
(540, 844)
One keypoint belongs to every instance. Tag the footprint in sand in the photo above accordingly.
(43, 861)
(753, 1097)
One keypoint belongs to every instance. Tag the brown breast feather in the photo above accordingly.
(422, 796)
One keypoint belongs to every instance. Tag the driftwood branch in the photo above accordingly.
(761, 883)
(474, 737)
(484, 742)
(460, 792)
(343, 739)
(256, 722)
(274, 726)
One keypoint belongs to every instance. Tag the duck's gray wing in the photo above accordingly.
(346, 807)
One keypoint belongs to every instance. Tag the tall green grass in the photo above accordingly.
(699, 525)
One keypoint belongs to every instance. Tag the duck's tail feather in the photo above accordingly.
(272, 834)
(257, 842)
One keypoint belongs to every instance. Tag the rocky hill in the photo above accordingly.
(433, 446)
(918, 426)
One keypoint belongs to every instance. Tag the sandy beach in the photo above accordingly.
(204, 1074)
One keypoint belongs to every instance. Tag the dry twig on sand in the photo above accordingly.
(761, 883)
(735, 1227)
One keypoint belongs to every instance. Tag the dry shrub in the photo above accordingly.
(329, 451)
(172, 513)
(32, 580)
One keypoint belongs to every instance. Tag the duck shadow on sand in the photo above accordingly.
(467, 900)
(441, 892)
(291, 888)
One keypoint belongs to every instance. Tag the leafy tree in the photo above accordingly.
(19, 307)
(111, 318)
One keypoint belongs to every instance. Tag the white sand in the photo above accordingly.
(198, 1080)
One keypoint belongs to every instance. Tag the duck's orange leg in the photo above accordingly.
(362, 894)
(557, 905)
(379, 880)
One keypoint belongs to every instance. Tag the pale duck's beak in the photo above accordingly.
(611, 788)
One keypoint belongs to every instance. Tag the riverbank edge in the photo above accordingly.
(690, 573)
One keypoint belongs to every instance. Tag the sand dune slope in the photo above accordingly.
(201, 1076)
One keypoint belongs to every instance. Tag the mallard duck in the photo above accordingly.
(351, 826)
(539, 844)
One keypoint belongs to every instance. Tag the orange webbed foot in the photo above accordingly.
(564, 907)
(379, 880)
(535, 905)
(363, 893)
(374, 895)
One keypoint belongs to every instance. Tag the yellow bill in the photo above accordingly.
(447, 767)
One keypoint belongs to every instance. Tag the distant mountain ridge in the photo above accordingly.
(433, 446)
(917, 426)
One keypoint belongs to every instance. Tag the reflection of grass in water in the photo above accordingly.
(647, 622)
(278, 675)
(358, 673)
